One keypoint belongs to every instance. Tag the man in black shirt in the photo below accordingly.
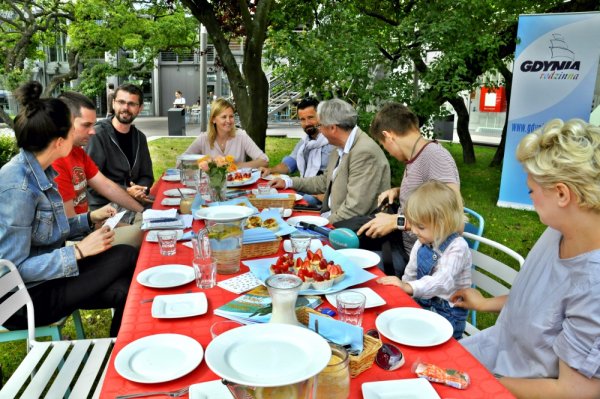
(120, 150)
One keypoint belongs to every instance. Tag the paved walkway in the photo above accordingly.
(156, 127)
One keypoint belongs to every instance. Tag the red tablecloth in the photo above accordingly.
(138, 323)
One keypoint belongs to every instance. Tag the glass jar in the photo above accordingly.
(226, 244)
(185, 205)
(188, 166)
(334, 381)
(283, 289)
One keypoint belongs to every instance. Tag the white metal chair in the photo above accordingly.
(55, 369)
(489, 274)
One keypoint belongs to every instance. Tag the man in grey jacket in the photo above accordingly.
(120, 150)
(357, 170)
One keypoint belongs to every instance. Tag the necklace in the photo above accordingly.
(412, 152)
(222, 146)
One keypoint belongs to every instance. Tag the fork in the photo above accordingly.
(172, 394)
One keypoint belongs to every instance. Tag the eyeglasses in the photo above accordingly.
(131, 104)
(388, 356)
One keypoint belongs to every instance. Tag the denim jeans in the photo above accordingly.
(456, 316)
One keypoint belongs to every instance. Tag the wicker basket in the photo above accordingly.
(358, 363)
(260, 249)
(261, 203)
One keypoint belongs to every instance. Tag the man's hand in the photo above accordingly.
(138, 192)
(390, 194)
(101, 214)
(382, 225)
(277, 183)
(264, 171)
(98, 241)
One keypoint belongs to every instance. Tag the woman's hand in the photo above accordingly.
(471, 298)
(101, 214)
(390, 194)
(382, 225)
(98, 241)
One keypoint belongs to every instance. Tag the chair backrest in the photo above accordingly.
(474, 228)
(17, 296)
(489, 274)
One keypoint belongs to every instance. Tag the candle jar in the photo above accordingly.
(283, 289)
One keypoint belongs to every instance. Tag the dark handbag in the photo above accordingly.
(357, 222)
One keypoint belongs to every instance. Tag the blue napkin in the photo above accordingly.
(338, 332)
(272, 196)
(259, 234)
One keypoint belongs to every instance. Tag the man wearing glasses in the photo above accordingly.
(357, 170)
(120, 150)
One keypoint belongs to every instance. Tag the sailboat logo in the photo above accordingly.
(559, 48)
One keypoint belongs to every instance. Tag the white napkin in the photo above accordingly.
(150, 214)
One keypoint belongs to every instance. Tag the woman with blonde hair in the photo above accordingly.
(224, 139)
(546, 341)
(440, 260)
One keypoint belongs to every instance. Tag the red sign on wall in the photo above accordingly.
(492, 100)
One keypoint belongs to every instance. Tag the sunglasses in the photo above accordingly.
(388, 357)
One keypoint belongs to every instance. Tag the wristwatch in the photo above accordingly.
(401, 222)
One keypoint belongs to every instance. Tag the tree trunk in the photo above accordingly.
(250, 89)
(462, 129)
(499, 155)
(6, 118)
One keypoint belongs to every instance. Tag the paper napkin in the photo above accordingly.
(338, 332)
(239, 284)
(150, 214)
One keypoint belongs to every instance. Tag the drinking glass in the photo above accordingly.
(264, 188)
(351, 306)
(220, 327)
(299, 242)
(167, 242)
(205, 271)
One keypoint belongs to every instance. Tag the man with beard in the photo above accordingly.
(120, 150)
(311, 154)
(77, 171)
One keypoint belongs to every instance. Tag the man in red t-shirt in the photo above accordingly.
(77, 170)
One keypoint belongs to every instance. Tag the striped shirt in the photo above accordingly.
(433, 162)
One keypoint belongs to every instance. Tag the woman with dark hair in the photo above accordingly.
(33, 226)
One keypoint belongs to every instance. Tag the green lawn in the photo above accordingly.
(480, 184)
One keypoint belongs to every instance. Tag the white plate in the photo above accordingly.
(251, 180)
(158, 358)
(412, 388)
(373, 298)
(171, 201)
(175, 192)
(210, 390)
(314, 245)
(179, 305)
(414, 327)
(224, 213)
(316, 220)
(361, 257)
(171, 177)
(152, 235)
(166, 276)
(298, 197)
(274, 176)
(262, 355)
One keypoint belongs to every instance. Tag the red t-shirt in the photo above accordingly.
(74, 171)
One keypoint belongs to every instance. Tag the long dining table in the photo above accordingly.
(138, 323)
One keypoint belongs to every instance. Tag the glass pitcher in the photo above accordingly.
(283, 289)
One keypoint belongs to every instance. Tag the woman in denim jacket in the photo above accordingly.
(33, 226)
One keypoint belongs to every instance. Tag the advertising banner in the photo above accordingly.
(554, 75)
